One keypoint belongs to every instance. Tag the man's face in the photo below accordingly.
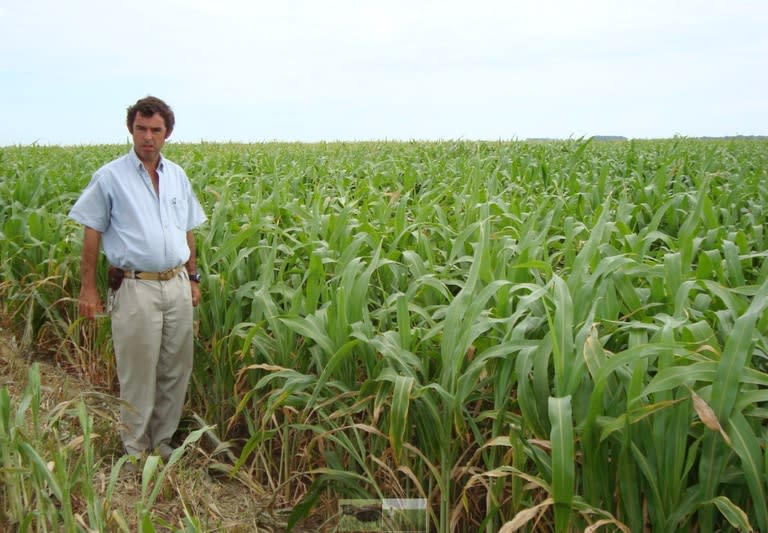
(149, 134)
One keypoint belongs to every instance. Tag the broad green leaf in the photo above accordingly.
(563, 460)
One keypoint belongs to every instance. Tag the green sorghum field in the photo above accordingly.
(530, 336)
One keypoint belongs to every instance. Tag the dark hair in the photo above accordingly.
(148, 106)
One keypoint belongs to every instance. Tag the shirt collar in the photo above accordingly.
(136, 162)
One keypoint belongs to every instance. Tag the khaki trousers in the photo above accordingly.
(153, 341)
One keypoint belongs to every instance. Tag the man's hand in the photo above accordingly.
(90, 303)
(195, 293)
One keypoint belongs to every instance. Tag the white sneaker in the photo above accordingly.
(133, 465)
(165, 450)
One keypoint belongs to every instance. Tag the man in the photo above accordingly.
(140, 208)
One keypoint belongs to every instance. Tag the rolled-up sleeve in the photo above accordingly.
(92, 207)
(195, 213)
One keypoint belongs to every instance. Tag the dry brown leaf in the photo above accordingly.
(707, 416)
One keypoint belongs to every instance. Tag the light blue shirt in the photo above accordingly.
(139, 230)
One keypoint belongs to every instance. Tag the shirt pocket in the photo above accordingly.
(179, 213)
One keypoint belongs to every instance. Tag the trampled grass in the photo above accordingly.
(531, 336)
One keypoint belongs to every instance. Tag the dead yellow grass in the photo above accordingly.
(220, 502)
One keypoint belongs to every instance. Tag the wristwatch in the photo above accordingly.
(195, 277)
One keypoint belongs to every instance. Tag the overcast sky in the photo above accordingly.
(252, 71)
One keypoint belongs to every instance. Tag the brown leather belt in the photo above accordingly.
(165, 275)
